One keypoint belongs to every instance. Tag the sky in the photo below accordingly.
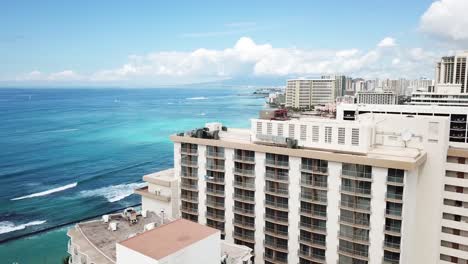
(154, 43)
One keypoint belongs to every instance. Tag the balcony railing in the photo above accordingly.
(277, 163)
(215, 154)
(190, 175)
(215, 204)
(274, 232)
(393, 179)
(276, 204)
(188, 150)
(354, 221)
(244, 223)
(393, 212)
(191, 198)
(215, 216)
(189, 209)
(276, 176)
(275, 259)
(361, 237)
(313, 212)
(276, 244)
(276, 218)
(312, 241)
(393, 228)
(245, 185)
(244, 197)
(189, 186)
(394, 196)
(312, 226)
(242, 210)
(390, 244)
(357, 174)
(311, 255)
(215, 166)
(314, 168)
(245, 172)
(351, 205)
(275, 190)
(313, 183)
(314, 197)
(354, 189)
(352, 251)
(215, 191)
(244, 158)
(216, 180)
(188, 162)
(244, 235)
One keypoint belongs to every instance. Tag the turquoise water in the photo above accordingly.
(68, 154)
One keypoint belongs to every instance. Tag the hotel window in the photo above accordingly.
(303, 132)
(341, 135)
(269, 128)
(259, 127)
(328, 134)
(291, 130)
(315, 134)
(355, 136)
(280, 129)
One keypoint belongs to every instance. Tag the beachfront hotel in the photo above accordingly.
(313, 190)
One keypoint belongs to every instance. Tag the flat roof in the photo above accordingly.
(164, 177)
(98, 242)
(168, 239)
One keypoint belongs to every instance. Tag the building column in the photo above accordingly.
(201, 184)
(377, 217)
(228, 194)
(294, 191)
(259, 206)
(333, 211)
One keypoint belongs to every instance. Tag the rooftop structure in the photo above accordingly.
(376, 98)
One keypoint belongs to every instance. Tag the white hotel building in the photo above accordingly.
(314, 190)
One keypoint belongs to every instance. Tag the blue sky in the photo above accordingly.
(156, 42)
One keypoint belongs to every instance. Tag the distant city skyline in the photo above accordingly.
(153, 44)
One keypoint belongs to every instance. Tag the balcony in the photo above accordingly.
(309, 241)
(244, 185)
(275, 259)
(189, 163)
(351, 252)
(275, 245)
(215, 180)
(241, 210)
(322, 185)
(277, 163)
(244, 158)
(244, 236)
(277, 191)
(355, 222)
(392, 246)
(244, 172)
(396, 197)
(189, 175)
(314, 198)
(314, 213)
(353, 206)
(353, 190)
(189, 198)
(215, 192)
(394, 229)
(215, 154)
(215, 216)
(394, 180)
(314, 169)
(190, 187)
(277, 219)
(276, 205)
(356, 175)
(189, 151)
(215, 167)
(157, 195)
(393, 213)
(244, 198)
(277, 176)
(315, 258)
(190, 210)
(310, 227)
(244, 224)
(214, 204)
(276, 232)
(359, 238)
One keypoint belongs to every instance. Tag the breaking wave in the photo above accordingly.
(7, 226)
(113, 193)
(197, 98)
(44, 193)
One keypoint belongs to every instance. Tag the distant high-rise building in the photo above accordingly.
(453, 70)
(304, 93)
(376, 98)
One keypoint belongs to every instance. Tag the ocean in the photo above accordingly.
(69, 154)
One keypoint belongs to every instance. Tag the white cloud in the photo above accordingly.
(387, 42)
(447, 19)
(249, 59)
(66, 75)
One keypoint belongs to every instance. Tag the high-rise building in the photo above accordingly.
(448, 233)
(314, 190)
(376, 98)
(453, 70)
(304, 93)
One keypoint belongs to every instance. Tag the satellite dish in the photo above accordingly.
(406, 136)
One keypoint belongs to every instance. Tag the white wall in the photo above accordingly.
(259, 206)
(125, 255)
(377, 218)
(228, 194)
(294, 205)
(333, 211)
(201, 184)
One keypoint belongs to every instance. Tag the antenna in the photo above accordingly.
(406, 136)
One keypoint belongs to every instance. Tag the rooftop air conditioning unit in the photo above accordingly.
(105, 218)
(113, 226)
(144, 213)
(149, 226)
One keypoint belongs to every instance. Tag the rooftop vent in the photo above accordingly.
(113, 226)
(105, 218)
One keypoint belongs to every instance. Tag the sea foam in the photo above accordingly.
(113, 193)
(7, 226)
(197, 98)
(44, 193)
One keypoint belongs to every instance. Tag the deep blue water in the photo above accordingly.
(67, 154)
